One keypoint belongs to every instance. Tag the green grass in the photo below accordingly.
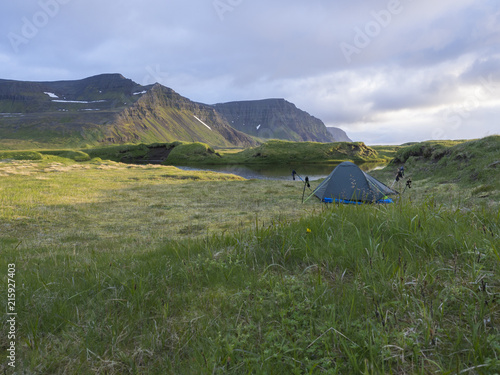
(387, 152)
(150, 269)
(108, 200)
(117, 153)
(193, 153)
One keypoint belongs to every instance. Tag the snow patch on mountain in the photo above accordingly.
(202, 122)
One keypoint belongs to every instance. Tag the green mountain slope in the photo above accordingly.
(163, 114)
(106, 109)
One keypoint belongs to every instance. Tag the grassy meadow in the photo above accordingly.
(127, 269)
(96, 204)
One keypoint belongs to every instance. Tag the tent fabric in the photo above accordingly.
(348, 182)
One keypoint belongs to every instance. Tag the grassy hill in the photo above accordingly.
(286, 152)
(466, 168)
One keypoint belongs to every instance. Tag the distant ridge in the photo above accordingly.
(274, 118)
(339, 134)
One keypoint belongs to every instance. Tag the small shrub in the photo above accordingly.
(439, 152)
(20, 155)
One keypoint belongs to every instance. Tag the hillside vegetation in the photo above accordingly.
(272, 152)
(162, 115)
(279, 153)
(284, 152)
(468, 168)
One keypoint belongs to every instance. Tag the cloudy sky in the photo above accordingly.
(386, 72)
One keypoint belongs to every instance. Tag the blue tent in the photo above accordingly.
(349, 184)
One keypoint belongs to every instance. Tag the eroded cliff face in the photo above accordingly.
(274, 118)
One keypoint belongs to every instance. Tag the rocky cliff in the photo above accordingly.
(274, 118)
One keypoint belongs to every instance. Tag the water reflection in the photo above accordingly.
(269, 172)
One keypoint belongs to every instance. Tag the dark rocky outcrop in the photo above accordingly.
(274, 118)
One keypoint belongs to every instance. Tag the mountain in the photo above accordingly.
(103, 92)
(338, 134)
(107, 109)
(111, 109)
(167, 116)
(274, 118)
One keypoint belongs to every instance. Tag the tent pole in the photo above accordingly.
(306, 183)
(309, 197)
